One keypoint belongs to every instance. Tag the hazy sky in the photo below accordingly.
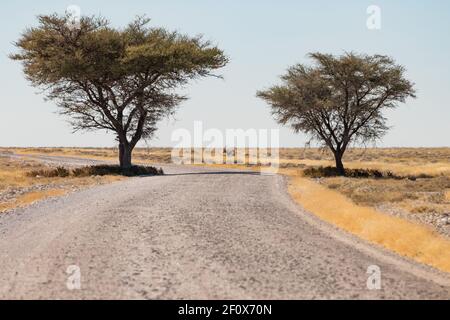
(262, 38)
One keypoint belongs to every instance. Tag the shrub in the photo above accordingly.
(103, 170)
(320, 172)
(50, 173)
(100, 170)
(323, 172)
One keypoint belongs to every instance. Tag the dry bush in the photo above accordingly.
(13, 172)
(99, 170)
(50, 173)
(103, 170)
(320, 172)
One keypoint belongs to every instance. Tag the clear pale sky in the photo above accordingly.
(262, 38)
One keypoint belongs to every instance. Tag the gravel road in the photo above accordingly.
(195, 233)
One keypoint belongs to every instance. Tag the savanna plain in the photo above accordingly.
(397, 198)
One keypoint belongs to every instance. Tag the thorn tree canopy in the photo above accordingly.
(339, 99)
(122, 80)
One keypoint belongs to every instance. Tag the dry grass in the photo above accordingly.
(411, 196)
(403, 161)
(419, 196)
(140, 155)
(98, 170)
(14, 173)
(406, 238)
(17, 173)
(31, 197)
(15, 176)
(347, 202)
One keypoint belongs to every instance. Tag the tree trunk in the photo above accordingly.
(125, 155)
(339, 165)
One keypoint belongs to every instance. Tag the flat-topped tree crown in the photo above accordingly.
(123, 80)
(339, 100)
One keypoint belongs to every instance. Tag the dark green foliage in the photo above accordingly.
(100, 170)
(103, 170)
(339, 100)
(323, 172)
(120, 80)
(50, 173)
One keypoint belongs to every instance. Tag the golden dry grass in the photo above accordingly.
(406, 238)
(14, 175)
(345, 203)
(433, 161)
(140, 155)
(418, 196)
(412, 197)
(402, 161)
(31, 197)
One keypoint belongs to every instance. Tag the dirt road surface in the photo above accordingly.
(195, 233)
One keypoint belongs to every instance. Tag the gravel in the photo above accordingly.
(195, 233)
(440, 222)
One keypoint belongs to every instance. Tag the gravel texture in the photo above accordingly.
(440, 222)
(195, 233)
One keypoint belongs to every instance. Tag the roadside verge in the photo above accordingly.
(403, 237)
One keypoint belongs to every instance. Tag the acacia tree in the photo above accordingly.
(339, 100)
(120, 80)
